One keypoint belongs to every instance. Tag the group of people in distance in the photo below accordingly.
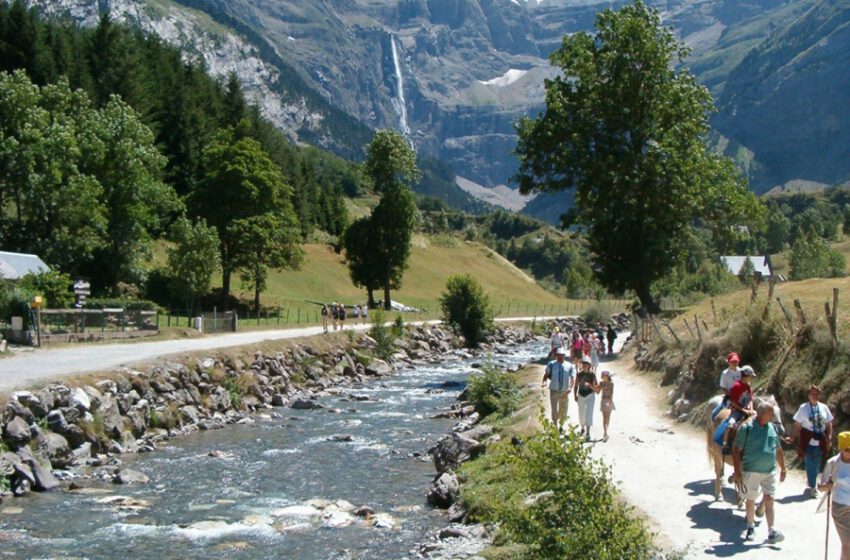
(337, 313)
(757, 452)
(578, 376)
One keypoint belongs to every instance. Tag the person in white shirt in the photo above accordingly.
(557, 342)
(836, 480)
(728, 377)
(560, 375)
(813, 432)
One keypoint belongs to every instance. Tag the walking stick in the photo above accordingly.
(826, 540)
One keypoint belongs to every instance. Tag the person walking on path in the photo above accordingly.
(335, 314)
(813, 432)
(611, 335)
(594, 352)
(355, 313)
(756, 455)
(342, 312)
(325, 317)
(606, 404)
(560, 375)
(556, 342)
(585, 391)
(836, 480)
(365, 313)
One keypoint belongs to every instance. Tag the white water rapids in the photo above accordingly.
(399, 103)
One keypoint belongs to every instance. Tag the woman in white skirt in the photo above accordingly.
(594, 353)
(584, 391)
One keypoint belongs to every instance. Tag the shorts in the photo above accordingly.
(841, 516)
(756, 482)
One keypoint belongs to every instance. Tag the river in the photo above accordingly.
(272, 488)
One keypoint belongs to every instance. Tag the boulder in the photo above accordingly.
(56, 449)
(113, 423)
(17, 431)
(301, 403)
(453, 449)
(79, 399)
(364, 511)
(444, 491)
(31, 402)
(56, 421)
(44, 480)
(378, 367)
(129, 476)
(14, 408)
(189, 415)
(479, 433)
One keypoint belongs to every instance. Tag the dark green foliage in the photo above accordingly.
(579, 516)
(494, 391)
(381, 334)
(54, 288)
(364, 264)
(812, 257)
(626, 128)
(128, 304)
(466, 309)
(192, 260)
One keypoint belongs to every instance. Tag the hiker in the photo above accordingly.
(728, 377)
(585, 395)
(365, 313)
(355, 313)
(325, 317)
(836, 480)
(335, 314)
(576, 347)
(606, 404)
(611, 335)
(342, 317)
(556, 342)
(813, 432)
(757, 453)
(560, 376)
(741, 402)
(594, 352)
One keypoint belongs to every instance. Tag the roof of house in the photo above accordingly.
(13, 266)
(734, 264)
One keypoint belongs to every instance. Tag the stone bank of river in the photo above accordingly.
(283, 487)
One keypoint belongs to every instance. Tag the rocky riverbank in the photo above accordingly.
(63, 434)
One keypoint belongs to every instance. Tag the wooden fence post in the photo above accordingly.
(688, 326)
(696, 324)
(713, 311)
(801, 316)
(834, 319)
(657, 330)
(669, 328)
(785, 312)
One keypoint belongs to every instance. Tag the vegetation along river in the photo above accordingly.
(269, 489)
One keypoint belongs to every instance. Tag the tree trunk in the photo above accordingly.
(646, 300)
(257, 297)
(371, 298)
(387, 305)
(225, 287)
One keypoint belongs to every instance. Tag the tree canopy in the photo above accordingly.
(626, 125)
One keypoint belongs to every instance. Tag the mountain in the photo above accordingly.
(786, 106)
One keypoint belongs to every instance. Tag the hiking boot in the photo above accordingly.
(774, 536)
(813, 492)
(751, 533)
(587, 437)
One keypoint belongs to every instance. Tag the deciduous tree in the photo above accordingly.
(625, 125)
(193, 259)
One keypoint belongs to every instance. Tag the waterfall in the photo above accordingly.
(400, 105)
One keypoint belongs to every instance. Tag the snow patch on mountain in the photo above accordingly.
(505, 79)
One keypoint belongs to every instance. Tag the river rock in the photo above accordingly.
(479, 433)
(56, 448)
(444, 491)
(301, 403)
(82, 452)
(113, 423)
(364, 511)
(129, 476)
(453, 449)
(17, 431)
(31, 402)
(378, 367)
(189, 414)
(452, 533)
(44, 481)
(78, 399)
(14, 408)
(341, 438)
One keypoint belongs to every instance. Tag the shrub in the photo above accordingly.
(582, 516)
(812, 257)
(398, 327)
(54, 287)
(466, 309)
(596, 313)
(128, 304)
(381, 334)
(494, 391)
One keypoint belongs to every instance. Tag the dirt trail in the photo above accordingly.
(661, 467)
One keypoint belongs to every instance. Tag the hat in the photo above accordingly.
(844, 440)
(747, 370)
(561, 352)
(557, 329)
(733, 357)
(586, 360)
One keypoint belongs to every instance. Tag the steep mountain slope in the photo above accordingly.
(788, 101)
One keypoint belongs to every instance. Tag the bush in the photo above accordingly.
(581, 518)
(398, 327)
(381, 334)
(494, 391)
(466, 309)
(126, 304)
(54, 288)
(812, 257)
(596, 313)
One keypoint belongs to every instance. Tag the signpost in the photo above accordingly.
(82, 288)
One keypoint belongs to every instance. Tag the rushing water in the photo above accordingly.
(257, 498)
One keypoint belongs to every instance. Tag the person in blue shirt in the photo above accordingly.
(755, 455)
(560, 375)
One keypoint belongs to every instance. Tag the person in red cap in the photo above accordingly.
(741, 402)
(728, 378)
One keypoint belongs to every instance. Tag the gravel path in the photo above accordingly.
(31, 367)
(662, 468)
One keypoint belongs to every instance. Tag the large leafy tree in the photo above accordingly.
(364, 265)
(466, 309)
(625, 125)
(391, 166)
(243, 189)
(193, 259)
